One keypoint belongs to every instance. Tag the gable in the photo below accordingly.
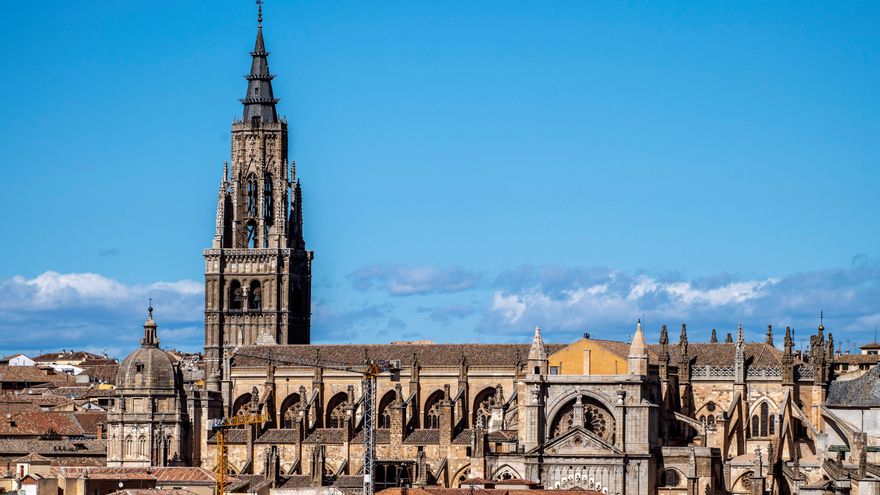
(580, 442)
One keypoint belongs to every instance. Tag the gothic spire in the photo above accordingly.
(714, 338)
(788, 343)
(259, 102)
(770, 335)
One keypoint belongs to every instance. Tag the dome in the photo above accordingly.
(147, 367)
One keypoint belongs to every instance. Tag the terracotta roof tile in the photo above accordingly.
(423, 437)
(326, 435)
(33, 375)
(427, 354)
(757, 354)
(37, 423)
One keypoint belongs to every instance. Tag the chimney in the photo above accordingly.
(100, 433)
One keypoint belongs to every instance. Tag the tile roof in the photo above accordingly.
(427, 354)
(33, 375)
(857, 359)
(188, 475)
(863, 391)
(423, 437)
(276, 436)
(66, 356)
(89, 420)
(298, 481)
(183, 474)
(326, 435)
(33, 458)
(152, 491)
(382, 435)
(102, 373)
(53, 448)
(36, 423)
(757, 354)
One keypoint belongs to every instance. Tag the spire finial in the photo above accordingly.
(259, 13)
(150, 309)
(821, 320)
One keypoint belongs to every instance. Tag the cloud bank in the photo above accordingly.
(454, 304)
(89, 311)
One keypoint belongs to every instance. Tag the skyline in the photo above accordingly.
(579, 197)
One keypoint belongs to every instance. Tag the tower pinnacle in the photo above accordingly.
(259, 102)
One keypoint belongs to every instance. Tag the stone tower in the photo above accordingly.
(257, 272)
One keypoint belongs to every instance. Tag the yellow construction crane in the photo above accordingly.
(220, 426)
(369, 371)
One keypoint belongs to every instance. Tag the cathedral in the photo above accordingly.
(715, 417)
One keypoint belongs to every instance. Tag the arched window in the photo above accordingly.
(336, 411)
(432, 410)
(764, 420)
(670, 477)
(384, 410)
(252, 195)
(128, 446)
(252, 232)
(756, 426)
(267, 196)
(242, 405)
(710, 422)
(289, 410)
(772, 428)
(595, 418)
(142, 446)
(483, 407)
(236, 296)
(255, 297)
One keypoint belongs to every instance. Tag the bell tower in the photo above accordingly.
(257, 271)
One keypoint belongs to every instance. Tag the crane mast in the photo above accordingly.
(369, 371)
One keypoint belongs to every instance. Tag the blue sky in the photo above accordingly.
(470, 168)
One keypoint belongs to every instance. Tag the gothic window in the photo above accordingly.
(595, 419)
(142, 446)
(385, 411)
(756, 426)
(336, 411)
(128, 446)
(710, 421)
(432, 410)
(265, 236)
(289, 410)
(252, 235)
(710, 407)
(267, 196)
(764, 421)
(252, 195)
(772, 425)
(255, 297)
(242, 405)
(483, 407)
(236, 296)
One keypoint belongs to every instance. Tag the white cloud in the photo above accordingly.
(83, 310)
(399, 280)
